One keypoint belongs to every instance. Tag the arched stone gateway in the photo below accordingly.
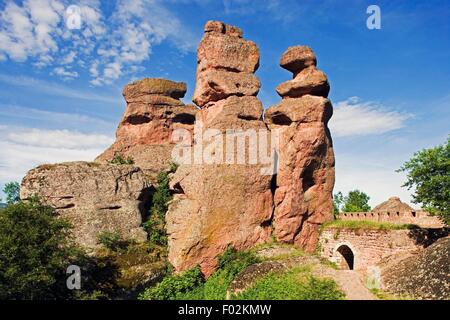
(345, 257)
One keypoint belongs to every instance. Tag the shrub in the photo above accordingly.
(174, 286)
(112, 241)
(295, 284)
(155, 224)
(230, 263)
(118, 159)
(34, 251)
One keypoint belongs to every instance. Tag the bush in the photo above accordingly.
(174, 286)
(295, 284)
(230, 263)
(155, 224)
(118, 159)
(34, 252)
(112, 241)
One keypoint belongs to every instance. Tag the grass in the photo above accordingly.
(294, 251)
(362, 224)
(294, 284)
(383, 295)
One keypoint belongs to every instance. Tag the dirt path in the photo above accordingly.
(350, 282)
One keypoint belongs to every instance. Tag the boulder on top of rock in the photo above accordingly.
(297, 58)
(227, 50)
(154, 86)
(308, 81)
(145, 131)
(93, 197)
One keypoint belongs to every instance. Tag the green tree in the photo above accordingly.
(34, 248)
(338, 200)
(12, 192)
(356, 201)
(428, 172)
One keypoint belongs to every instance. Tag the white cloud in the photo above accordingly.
(58, 139)
(108, 46)
(353, 117)
(25, 148)
(66, 74)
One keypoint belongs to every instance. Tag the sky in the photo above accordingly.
(60, 87)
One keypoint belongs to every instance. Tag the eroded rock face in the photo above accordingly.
(218, 204)
(153, 112)
(93, 197)
(305, 179)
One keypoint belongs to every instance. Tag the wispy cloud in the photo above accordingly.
(53, 118)
(56, 89)
(25, 148)
(354, 117)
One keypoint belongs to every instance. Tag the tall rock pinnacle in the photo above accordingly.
(305, 179)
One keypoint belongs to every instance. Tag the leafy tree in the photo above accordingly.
(34, 248)
(338, 200)
(12, 192)
(428, 172)
(356, 201)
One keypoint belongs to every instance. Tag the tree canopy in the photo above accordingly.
(355, 201)
(428, 173)
(12, 192)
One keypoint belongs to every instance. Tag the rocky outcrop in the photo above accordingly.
(305, 178)
(217, 202)
(154, 110)
(424, 275)
(93, 197)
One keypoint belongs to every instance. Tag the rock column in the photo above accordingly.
(305, 178)
(219, 201)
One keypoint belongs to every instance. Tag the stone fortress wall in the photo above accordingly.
(362, 248)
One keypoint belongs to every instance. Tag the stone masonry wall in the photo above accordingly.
(367, 246)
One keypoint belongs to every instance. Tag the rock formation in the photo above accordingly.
(423, 275)
(153, 111)
(219, 204)
(225, 190)
(93, 197)
(305, 178)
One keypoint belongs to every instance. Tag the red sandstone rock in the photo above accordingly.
(308, 81)
(305, 180)
(227, 51)
(218, 204)
(145, 131)
(215, 85)
(297, 58)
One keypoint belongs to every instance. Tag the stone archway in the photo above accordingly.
(346, 257)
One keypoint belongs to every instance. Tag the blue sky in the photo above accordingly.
(60, 89)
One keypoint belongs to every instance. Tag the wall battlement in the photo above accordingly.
(420, 217)
(395, 211)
